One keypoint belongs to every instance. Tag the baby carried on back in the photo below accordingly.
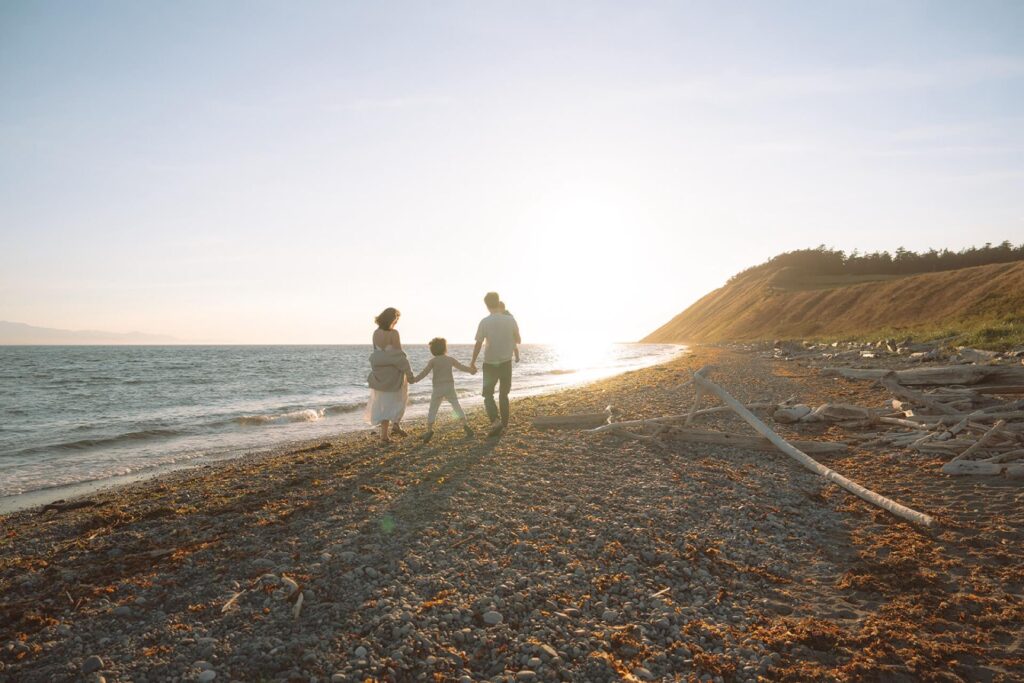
(388, 369)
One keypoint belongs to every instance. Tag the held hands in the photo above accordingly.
(472, 368)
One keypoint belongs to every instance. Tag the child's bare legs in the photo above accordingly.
(384, 425)
(435, 403)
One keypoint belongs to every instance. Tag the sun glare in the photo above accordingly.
(581, 353)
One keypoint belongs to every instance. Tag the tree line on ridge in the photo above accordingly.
(823, 260)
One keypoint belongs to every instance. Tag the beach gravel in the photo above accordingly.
(541, 555)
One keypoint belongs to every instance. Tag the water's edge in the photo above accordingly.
(45, 496)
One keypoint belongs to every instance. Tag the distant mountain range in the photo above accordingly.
(20, 333)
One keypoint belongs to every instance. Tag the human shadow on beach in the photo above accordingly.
(425, 475)
(447, 464)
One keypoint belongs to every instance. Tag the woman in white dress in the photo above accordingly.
(389, 377)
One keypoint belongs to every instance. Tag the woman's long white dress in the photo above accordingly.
(387, 405)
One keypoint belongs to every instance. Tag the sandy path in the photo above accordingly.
(603, 559)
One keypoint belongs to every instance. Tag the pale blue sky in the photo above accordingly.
(278, 172)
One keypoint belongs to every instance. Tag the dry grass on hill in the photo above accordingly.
(983, 305)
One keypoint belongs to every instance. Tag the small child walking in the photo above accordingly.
(444, 384)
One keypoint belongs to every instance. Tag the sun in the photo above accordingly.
(579, 352)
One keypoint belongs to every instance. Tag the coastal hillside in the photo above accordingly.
(982, 305)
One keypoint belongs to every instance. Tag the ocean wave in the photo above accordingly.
(83, 444)
(343, 408)
(558, 371)
(307, 415)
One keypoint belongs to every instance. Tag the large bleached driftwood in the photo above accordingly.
(971, 468)
(991, 375)
(1008, 456)
(976, 416)
(654, 440)
(900, 422)
(810, 463)
(1005, 374)
(668, 419)
(975, 447)
(578, 420)
(695, 406)
(953, 374)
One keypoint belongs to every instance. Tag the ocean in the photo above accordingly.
(75, 414)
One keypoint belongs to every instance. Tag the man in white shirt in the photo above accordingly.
(500, 331)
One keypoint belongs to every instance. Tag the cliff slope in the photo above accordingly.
(985, 301)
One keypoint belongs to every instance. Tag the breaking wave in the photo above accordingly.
(292, 416)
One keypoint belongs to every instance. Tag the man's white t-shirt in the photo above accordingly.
(501, 334)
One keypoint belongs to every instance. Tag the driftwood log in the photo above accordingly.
(696, 405)
(578, 420)
(890, 382)
(953, 374)
(654, 440)
(944, 375)
(668, 419)
(1008, 456)
(962, 465)
(809, 463)
(972, 467)
(976, 416)
(1000, 389)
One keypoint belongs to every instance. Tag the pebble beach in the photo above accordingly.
(544, 555)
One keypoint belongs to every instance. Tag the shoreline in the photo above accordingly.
(415, 414)
(544, 555)
(109, 485)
